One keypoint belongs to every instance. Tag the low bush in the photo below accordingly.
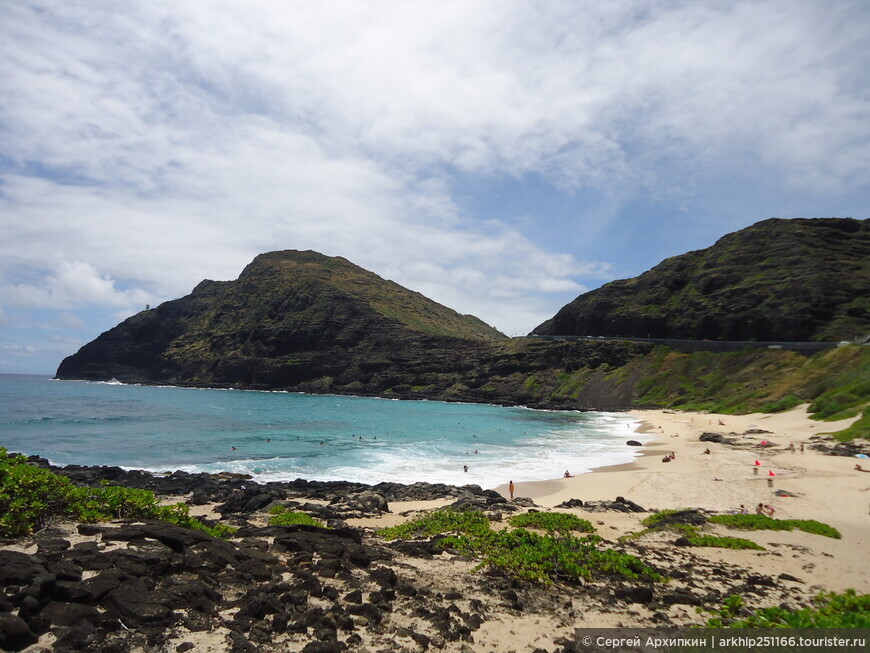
(446, 520)
(830, 610)
(30, 496)
(292, 518)
(552, 521)
(544, 558)
(521, 553)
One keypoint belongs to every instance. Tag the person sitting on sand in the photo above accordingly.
(759, 509)
(707, 452)
(858, 468)
(743, 510)
(567, 474)
(769, 510)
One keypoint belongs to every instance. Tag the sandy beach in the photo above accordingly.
(825, 488)
(406, 595)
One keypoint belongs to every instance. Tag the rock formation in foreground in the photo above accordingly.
(778, 280)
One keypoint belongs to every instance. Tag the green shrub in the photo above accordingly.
(292, 518)
(763, 522)
(695, 537)
(831, 610)
(552, 521)
(93, 504)
(544, 558)
(446, 520)
(29, 495)
(521, 553)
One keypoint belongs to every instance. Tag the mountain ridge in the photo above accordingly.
(305, 322)
(777, 280)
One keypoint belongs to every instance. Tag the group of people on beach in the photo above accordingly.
(760, 509)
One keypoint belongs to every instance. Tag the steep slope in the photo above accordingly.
(291, 317)
(788, 280)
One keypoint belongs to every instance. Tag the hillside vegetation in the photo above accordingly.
(778, 280)
(307, 322)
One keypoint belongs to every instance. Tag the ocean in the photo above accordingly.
(277, 436)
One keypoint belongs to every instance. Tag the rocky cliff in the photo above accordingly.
(290, 318)
(781, 280)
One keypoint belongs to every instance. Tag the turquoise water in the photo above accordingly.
(284, 436)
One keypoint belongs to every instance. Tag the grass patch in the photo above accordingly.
(521, 553)
(30, 496)
(763, 522)
(830, 610)
(662, 520)
(552, 521)
(696, 538)
(859, 429)
(282, 517)
(786, 403)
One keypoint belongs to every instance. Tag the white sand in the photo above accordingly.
(828, 489)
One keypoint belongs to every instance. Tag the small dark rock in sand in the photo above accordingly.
(715, 437)
(634, 443)
(620, 505)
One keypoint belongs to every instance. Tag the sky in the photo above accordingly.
(500, 157)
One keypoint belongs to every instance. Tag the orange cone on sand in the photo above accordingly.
(757, 463)
(770, 473)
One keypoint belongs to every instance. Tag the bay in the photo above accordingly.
(283, 436)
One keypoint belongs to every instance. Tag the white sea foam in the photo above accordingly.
(578, 449)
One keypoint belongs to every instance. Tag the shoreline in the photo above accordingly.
(819, 486)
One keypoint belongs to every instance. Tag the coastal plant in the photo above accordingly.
(562, 522)
(859, 429)
(30, 496)
(284, 517)
(830, 610)
(93, 504)
(520, 553)
(543, 558)
(695, 537)
(445, 520)
(763, 522)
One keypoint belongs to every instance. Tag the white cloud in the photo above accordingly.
(73, 283)
(149, 145)
(17, 350)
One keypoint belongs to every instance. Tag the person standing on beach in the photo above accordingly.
(511, 489)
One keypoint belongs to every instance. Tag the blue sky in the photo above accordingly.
(500, 157)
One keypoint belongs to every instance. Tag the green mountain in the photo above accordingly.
(306, 322)
(778, 280)
(290, 318)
